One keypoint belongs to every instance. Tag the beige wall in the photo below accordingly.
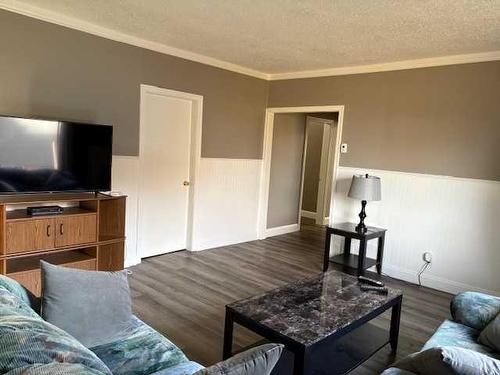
(442, 120)
(51, 71)
(312, 165)
(286, 169)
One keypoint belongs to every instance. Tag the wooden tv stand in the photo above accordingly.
(89, 234)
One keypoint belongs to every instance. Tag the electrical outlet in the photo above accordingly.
(343, 148)
(427, 257)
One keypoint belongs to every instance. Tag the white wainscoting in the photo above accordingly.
(226, 202)
(456, 219)
(125, 172)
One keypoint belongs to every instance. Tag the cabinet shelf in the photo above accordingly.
(27, 270)
(54, 197)
(17, 215)
(30, 263)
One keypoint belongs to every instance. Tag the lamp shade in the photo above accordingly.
(365, 188)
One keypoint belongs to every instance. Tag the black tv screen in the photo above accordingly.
(52, 156)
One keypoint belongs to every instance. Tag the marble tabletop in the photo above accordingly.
(311, 309)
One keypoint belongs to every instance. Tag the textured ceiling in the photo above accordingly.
(277, 36)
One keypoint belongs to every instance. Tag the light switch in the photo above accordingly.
(343, 148)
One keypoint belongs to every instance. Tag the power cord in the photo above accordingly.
(422, 270)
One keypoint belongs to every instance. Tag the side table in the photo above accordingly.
(349, 232)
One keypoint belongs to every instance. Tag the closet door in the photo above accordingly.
(164, 172)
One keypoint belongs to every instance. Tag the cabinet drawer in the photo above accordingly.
(75, 230)
(29, 235)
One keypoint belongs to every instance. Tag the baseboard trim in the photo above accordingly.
(278, 231)
(308, 214)
(129, 262)
(212, 244)
(432, 281)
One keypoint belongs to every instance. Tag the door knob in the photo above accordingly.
(186, 183)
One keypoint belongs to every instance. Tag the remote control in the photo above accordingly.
(369, 288)
(367, 280)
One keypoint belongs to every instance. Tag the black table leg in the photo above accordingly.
(395, 320)
(347, 246)
(326, 257)
(300, 362)
(380, 253)
(361, 257)
(227, 349)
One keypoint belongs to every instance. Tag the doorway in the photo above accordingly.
(169, 151)
(284, 166)
(319, 147)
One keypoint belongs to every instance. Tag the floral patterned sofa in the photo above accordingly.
(31, 346)
(471, 312)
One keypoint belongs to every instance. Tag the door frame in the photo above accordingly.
(194, 157)
(267, 153)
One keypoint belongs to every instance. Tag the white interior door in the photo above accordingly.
(165, 142)
(325, 174)
(325, 167)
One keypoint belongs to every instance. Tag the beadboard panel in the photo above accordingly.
(124, 178)
(454, 218)
(226, 202)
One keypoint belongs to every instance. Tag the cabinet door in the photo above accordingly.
(29, 235)
(74, 230)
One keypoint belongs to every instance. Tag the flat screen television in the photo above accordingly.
(54, 156)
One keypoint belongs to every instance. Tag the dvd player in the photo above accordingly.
(44, 210)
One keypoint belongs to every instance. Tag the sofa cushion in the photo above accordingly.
(452, 333)
(55, 368)
(20, 291)
(184, 368)
(490, 336)
(449, 360)
(474, 309)
(92, 306)
(396, 371)
(27, 341)
(256, 361)
(11, 304)
(139, 350)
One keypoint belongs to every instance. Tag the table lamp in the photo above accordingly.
(366, 188)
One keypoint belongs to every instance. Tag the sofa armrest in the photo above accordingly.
(474, 309)
(256, 361)
(397, 371)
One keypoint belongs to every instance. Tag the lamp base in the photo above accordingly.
(361, 227)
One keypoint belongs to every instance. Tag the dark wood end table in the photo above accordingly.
(346, 259)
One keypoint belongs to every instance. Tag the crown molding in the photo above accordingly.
(90, 28)
(391, 66)
(18, 7)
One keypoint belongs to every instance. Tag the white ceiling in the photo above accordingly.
(280, 36)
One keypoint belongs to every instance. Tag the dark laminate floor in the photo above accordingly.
(183, 294)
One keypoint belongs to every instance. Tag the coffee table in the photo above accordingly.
(323, 320)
